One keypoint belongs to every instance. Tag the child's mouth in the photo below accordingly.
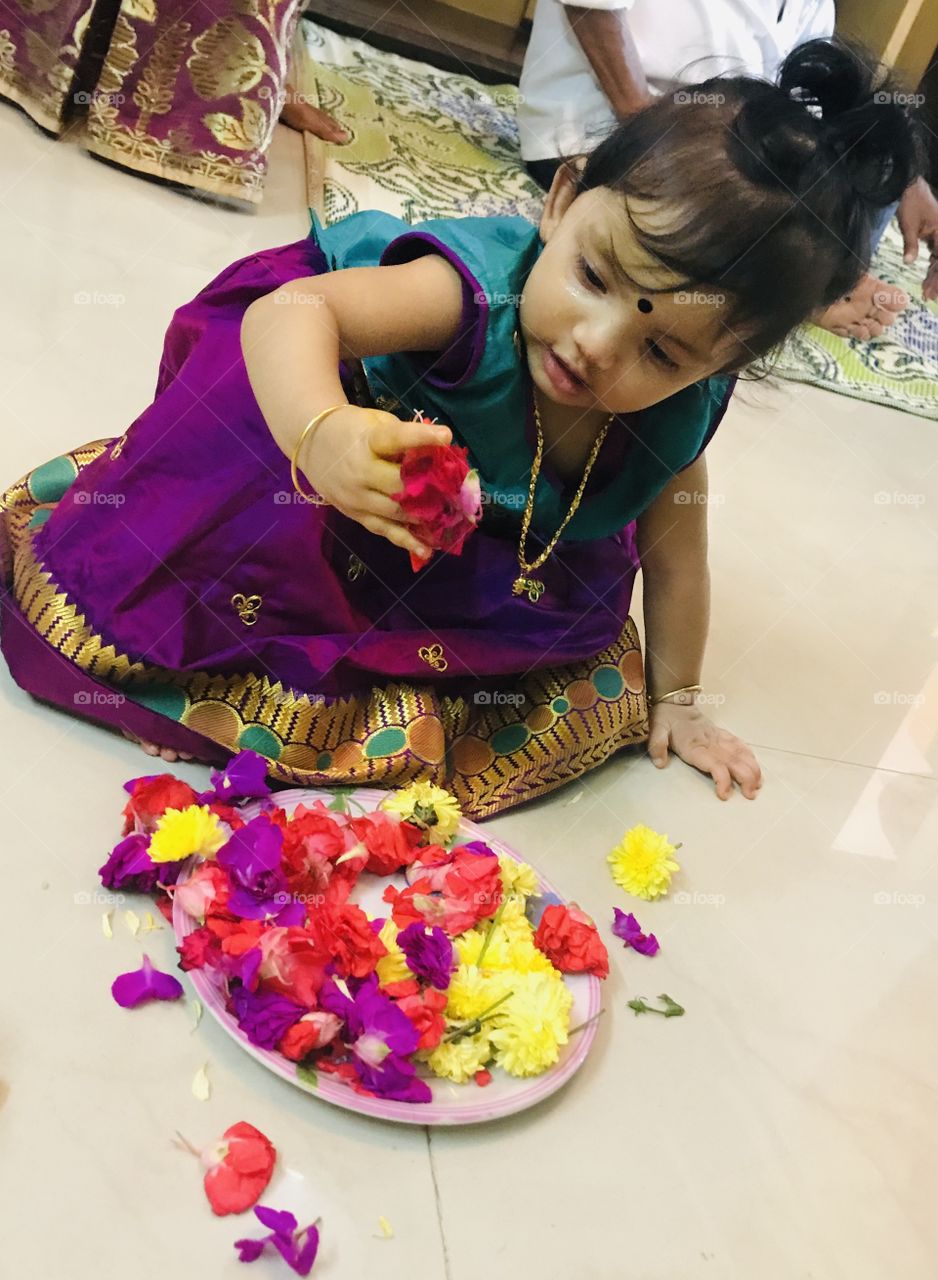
(562, 378)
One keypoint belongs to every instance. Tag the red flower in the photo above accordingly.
(197, 949)
(571, 942)
(425, 1010)
(313, 842)
(151, 797)
(238, 1169)
(293, 964)
(440, 496)
(391, 844)
(344, 935)
(454, 889)
(313, 1031)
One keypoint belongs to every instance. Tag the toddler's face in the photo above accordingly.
(592, 341)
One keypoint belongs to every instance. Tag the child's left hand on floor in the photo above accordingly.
(705, 745)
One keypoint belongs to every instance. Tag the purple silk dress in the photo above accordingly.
(177, 566)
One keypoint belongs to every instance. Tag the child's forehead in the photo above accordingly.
(609, 219)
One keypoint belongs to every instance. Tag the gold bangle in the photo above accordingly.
(687, 688)
(311, 496)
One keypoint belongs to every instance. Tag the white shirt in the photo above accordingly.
(562, 110)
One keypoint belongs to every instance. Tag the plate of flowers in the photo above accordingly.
(382, 953)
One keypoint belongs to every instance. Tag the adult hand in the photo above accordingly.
(918, 221)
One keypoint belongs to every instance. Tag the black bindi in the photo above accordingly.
(645, 306)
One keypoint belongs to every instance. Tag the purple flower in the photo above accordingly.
(429, 953)
(264, 1016)
(297, 1248)
(629, 930)
(243, 778)
(259, 888)
(379, 1035)
(145, 983)
(129, 866)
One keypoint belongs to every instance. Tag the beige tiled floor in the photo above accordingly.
(786, 1127)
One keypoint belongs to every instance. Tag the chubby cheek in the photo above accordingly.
(636, 387)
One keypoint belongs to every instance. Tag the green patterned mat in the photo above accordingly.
(430, 144)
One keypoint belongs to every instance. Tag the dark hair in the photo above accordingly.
(775, 187)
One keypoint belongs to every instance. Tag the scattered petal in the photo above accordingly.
(626, 927)
(195, 1007)
(106, 924)
(238, 1168)
(386, 1229)
(201, 1085)
(132, 921)
(143, 984)
(298, 1248)
(149, 923)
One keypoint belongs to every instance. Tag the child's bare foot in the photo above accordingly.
(866, 311)
(169, 754)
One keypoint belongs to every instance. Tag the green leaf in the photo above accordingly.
(640, 1006)
(672, 1009)
(307, 1075)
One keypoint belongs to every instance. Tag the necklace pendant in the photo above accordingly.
(532, 587)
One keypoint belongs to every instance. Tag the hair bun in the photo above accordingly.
(840, 118)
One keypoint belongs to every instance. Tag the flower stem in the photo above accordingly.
(582, 1025)
(475, 1025)
(496, 921)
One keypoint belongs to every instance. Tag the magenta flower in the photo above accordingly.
(297, 1248)
(259, 888)
(626, 927)
(143, 984)
(380, 1036)
(129, 866)
(264, 1016)
(243, 778)
(429, 953)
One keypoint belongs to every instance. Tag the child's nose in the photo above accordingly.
(599, 347)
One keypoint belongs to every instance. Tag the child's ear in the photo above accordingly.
(563, 191)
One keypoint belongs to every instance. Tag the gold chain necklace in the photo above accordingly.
(524, 583)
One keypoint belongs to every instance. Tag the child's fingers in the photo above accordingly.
(399, 534)
(723, 779)
(389, 436)
(749, 776)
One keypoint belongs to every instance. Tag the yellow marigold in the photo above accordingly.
(182, 832)
(535, 1023)
(514, 924)
(469, 947)
(525, 957)
(471, 992)
(517, 877)
(642, 863)
(428, 806)
(460, 1059)
(392, 967)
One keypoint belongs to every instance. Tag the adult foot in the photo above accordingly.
(169, 754)
(866, 312)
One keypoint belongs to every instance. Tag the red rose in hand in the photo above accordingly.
(238, 1169)
(571, 942)
(441, 495)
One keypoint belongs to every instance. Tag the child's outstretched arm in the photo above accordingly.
(672, 545)
(292, 341)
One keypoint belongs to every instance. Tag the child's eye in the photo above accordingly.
(590, 276)
(661, 355)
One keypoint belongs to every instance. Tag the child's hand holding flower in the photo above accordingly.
(705, 745)
(353, 461)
